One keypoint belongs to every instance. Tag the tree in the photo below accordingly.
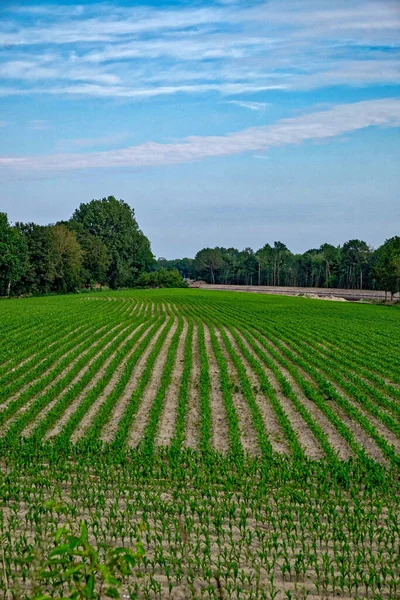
(113, 222)
(208, 262)
(67, 259)
(355, 259)
(330, 255)
(41, 270)
(96, 260)
(13, 255)
(387, 266)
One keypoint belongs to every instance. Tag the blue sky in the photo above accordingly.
(222, 123)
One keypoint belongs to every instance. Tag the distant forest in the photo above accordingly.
(102, 245)
(355, 265)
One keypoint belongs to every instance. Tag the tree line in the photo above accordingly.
(100, 245)
(354, 265)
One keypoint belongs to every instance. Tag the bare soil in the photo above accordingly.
(150, 392)
(220, 433)
(167, 423)
(192, 430)
(111, 426)
(327, 293)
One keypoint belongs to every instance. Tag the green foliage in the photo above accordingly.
(113, 222)
(73, 566)
(387, 265)
(113, 406)
(170, 278)
(13, 255)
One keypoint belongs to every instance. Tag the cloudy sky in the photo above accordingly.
(231, 123)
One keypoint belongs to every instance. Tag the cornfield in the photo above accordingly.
(248, 445)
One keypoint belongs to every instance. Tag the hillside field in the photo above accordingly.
(250, 443)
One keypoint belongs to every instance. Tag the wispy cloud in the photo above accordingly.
(321, 125)
(108, 50)
(257, 106)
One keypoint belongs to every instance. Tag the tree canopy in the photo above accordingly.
(101, 244)
(112, 222)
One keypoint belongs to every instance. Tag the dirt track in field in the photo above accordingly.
(322, 293)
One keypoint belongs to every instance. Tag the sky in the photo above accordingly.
(222, 123)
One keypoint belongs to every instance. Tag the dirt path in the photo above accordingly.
(248, 435)
(110, 428)
(220, 432)
(150, 392)
(166, 429)
(192, 431)
(327, 293)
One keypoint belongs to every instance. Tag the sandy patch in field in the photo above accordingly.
(305, 436)
(336, 441)
(87, 419)
(359, 434)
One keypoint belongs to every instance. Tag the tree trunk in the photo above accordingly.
(8, 288)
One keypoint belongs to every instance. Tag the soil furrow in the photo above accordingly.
(110, 428)
(220, 432)
(77, 401)
(166, 429)
(149, 394)
(192, 430)
(248, 435)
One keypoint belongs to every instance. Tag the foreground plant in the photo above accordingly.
(73, 567)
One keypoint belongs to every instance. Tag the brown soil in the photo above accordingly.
(28, 430)
(248, 435)
(77, 401)
(359, 434)
(150, 392)
(192, 437)
(306, 438)
(220, 434)
(271, 425)
(337, 442)
(166, 429)
(111, 426)
(90, 415)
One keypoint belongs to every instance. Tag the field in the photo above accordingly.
(247, 446)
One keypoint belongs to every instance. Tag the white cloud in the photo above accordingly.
(257, 106)
(106, 50)
(336, 121)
